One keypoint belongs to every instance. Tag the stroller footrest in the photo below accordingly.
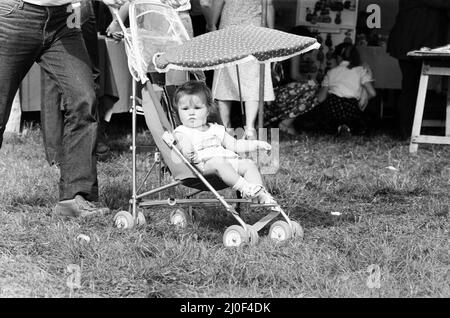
(265, 220)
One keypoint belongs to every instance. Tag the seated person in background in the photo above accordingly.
(295, 90)
(211, 149)
(345, 91)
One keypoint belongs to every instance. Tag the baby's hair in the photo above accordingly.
(348, 52)
(192, 88)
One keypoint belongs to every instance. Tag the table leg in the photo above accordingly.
(447, 119)
(418, 115)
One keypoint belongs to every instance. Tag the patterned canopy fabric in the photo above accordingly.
(233, 45)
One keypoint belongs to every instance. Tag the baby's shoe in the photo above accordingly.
(264, 197)
(251, 190)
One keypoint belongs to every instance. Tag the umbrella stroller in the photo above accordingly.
(157, 41)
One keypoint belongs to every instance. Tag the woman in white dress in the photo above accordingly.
(226, 84)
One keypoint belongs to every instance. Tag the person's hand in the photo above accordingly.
(175, 3)
(115, 3)
(115, 31)
(263, 145)
(364, 100)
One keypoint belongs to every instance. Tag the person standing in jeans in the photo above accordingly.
(52, 120)
(40, 31)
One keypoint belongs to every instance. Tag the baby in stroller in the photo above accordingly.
(211, 149)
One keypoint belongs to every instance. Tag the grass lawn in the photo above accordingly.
(391, 238)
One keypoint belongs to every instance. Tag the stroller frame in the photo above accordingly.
(234, 235)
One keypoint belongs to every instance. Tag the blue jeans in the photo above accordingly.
(31, 33)
(52, 121)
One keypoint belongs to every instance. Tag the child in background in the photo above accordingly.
(345, 91)
(211, 149)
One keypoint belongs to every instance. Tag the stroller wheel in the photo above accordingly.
(297, 230)
(180, 218)
(141, 219)
(280, 231)
(123, 220)
(234, 236)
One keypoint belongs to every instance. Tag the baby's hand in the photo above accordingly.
(264, 145)
(168, 138)
(192, 156)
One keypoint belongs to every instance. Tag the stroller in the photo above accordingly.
(157, 41)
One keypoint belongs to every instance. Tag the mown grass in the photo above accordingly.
(396, 219)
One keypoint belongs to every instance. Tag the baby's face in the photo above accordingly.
(192, 110)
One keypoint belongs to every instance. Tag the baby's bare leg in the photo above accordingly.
(249, 171)
(223, 169)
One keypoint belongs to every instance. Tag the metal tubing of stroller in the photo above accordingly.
(201, 201)
(211, 188)
(262, 73)
(240, 91)
(146, 177)
(133, 133)
(262, 70)
(159, 177)
(157, 190)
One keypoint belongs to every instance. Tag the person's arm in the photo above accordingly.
(213, 14)
(371, 92)
(367, 80)
(270, 14)
(114, 28)
(323, 91)
(123, 12)
(242, 145)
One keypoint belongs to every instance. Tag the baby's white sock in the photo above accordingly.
(240, 184)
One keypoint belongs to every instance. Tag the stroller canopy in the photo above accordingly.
(233, 45)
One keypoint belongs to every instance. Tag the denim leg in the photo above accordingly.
(52, 121)
(67, 61)
(89, 31)
(52, 117)
(20, 44)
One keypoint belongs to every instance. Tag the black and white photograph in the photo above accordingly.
(224, 157)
